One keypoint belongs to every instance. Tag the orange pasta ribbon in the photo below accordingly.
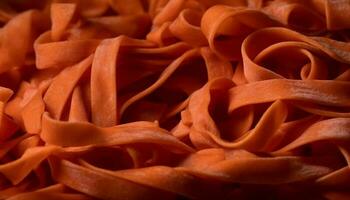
(174, 99)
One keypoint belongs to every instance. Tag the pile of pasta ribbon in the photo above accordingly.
(174, 99)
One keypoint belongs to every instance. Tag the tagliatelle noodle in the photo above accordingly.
(174, 99)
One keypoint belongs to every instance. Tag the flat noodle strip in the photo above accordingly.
(308, 91)
(136, 132)
(174, 99)
(109, 187)
(236, 166)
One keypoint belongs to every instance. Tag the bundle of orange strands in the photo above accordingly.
(174, 99)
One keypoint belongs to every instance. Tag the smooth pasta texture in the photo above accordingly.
(174, 99)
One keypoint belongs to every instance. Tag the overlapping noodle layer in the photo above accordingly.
(174, 99)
